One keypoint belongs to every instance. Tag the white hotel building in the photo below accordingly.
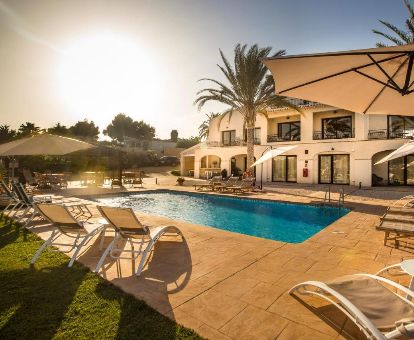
(333, 146)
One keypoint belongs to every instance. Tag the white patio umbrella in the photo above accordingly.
(43, 144)
(404, 150)
(376, 81)
(273, 153)
(269, 154)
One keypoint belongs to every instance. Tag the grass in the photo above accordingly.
(53, 301)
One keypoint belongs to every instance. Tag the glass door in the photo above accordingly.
(325, 169)
(396, 169)
(410, 170)
(279, 169)
(291, 169)
(334, 169)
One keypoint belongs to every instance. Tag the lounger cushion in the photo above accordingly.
(378, 303)
(394, 226)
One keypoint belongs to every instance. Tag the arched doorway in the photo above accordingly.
(399, 171)
(239, 165)
(210, 165)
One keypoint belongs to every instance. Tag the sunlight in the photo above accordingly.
(105, 74)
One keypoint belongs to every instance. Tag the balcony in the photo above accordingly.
(385, 134)
(318, 135)
(277, 138)
(237, 142)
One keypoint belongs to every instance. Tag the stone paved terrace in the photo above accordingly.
(231, 286)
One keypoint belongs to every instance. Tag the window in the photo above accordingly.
(289, 131)
(401, 171)
(337, 128)
(334, 169)
(228, 138)
(284, 169)
(400, 127)
(257, 132)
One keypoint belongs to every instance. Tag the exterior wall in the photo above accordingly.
(362, 151)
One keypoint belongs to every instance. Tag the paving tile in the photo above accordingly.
(298, 331)
(262, 295)
(254, 323)
(213, 308)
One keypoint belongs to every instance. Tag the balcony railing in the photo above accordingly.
(317, 135)
(385, 134)
(237, 142)
(277, 138)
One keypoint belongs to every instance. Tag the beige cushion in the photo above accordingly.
(377, 302)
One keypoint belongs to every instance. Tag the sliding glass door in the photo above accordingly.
(334, 169)
(401, 171)
(284, 169)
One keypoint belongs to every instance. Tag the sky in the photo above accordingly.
(67, 60)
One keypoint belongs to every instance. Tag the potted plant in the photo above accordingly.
(180, 180)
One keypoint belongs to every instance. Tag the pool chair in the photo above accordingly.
(233, 181)
(29, 212)
(214, 182)
(371, 302)
(10, 197)
(397, 223)
(128, 227)
(65, 224)
(246, 185)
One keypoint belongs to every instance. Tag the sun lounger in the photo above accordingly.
(64, 224)
(9, 197)
(215, 181)
(129, 228)
(246, 185)
(233, 181)
(377, 310)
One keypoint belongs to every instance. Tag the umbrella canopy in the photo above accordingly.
(377, 80)
(404, 150)
(273, 153)
(43, 144)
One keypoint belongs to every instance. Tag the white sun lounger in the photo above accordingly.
(128, 227)
(64, 224)
(377, 310)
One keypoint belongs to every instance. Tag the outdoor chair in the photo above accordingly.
(215, 181)
(379, 307)
(129, 228)
(65, 224)
(10, 197)
(246, 185)
(26, 203)
(233, 181)
(396, 223)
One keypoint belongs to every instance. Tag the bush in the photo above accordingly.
(176, 172)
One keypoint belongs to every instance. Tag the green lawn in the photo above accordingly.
(53, 301)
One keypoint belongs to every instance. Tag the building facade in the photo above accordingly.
(334, 146)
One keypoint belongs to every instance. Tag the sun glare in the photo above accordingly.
(107, 74)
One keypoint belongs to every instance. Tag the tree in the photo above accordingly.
(250, 89)
(124, 126)
(187, 142)
(174, 135)
(85, 130)
(28, 129)
(204, 128)
(6, 134)
(399, 36)
(58, 129)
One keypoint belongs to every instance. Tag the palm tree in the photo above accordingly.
(6, 134)
(250, 89)
(28, 129)
(399, 36)
(203, 129)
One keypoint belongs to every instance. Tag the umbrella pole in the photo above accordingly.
(261, 171)
(120, 167)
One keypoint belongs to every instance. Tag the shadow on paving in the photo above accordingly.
(51, 300)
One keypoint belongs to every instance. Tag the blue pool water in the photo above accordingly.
(285, 222)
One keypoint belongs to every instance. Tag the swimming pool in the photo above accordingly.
(287, 222)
